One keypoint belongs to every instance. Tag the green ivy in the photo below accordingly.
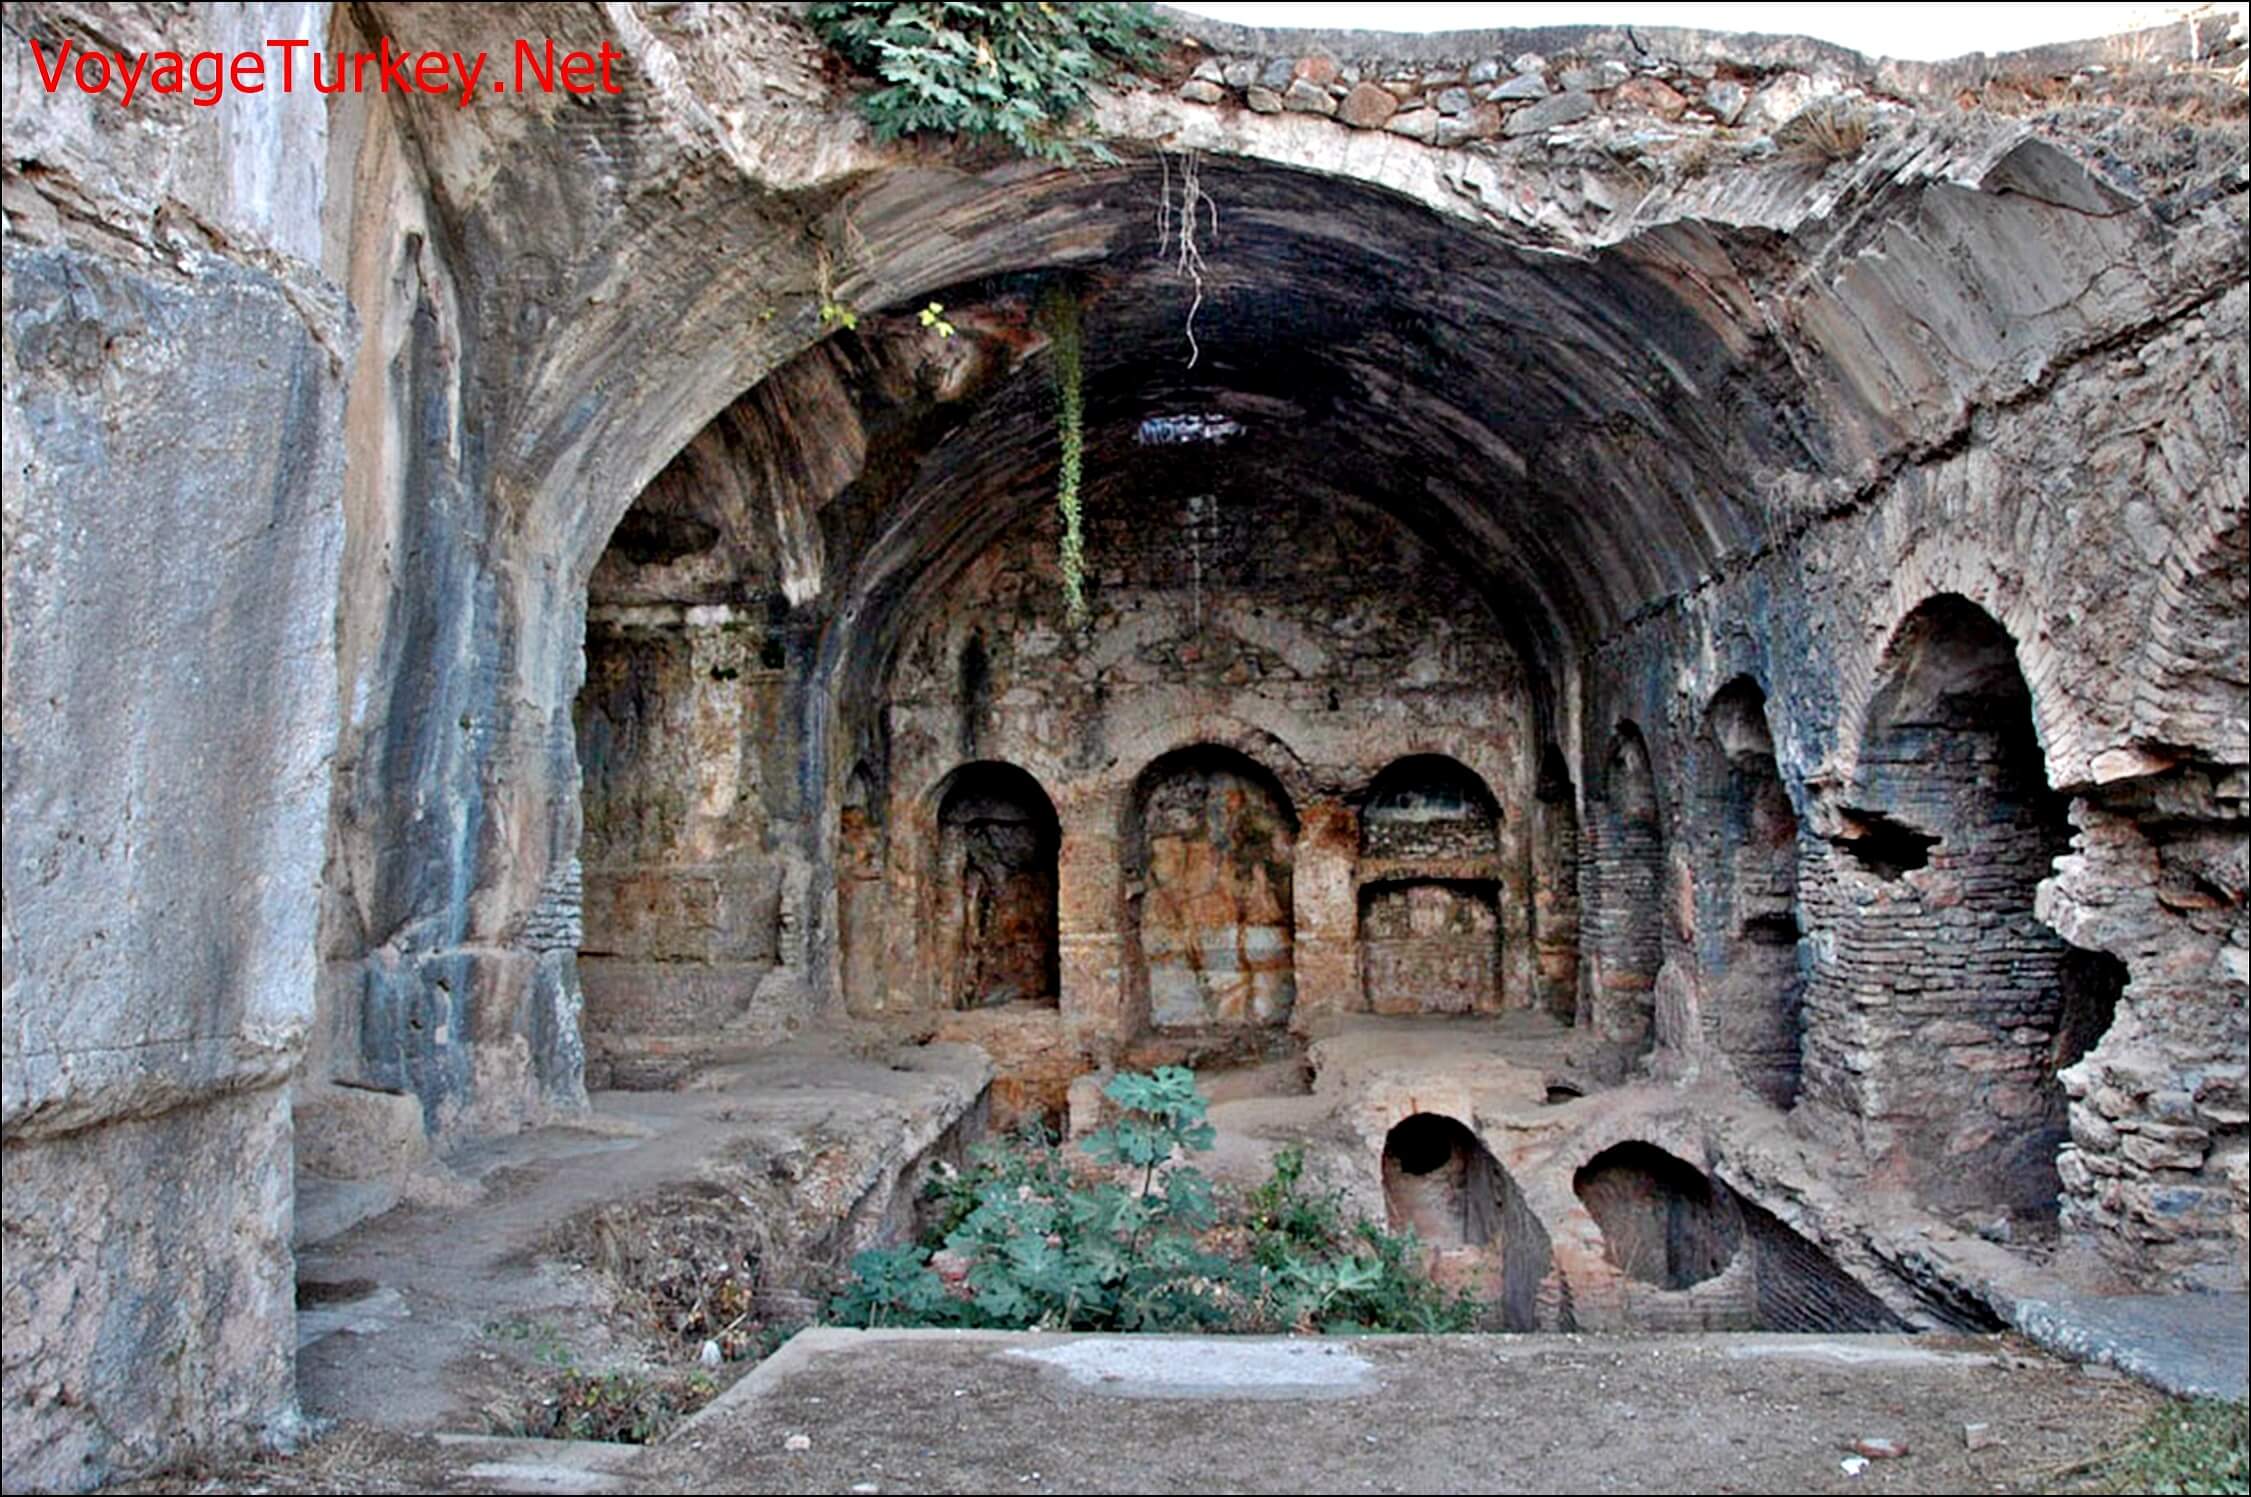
(1059, 315)
(1018, 72)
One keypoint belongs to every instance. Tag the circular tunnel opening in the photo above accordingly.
(1426, 1143)
(1428, 1164)
(1662, 1223)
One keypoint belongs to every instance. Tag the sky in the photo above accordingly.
(1928, 31)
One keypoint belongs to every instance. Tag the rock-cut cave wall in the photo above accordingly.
(332, 740)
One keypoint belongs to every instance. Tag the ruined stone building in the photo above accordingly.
(1667, 613)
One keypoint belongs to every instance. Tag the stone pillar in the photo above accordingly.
(1090, 901)
(1325, 911)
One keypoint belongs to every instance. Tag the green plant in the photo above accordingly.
(2193, 1445)
(934, 318)
(632, 1408)
(1313, 1271)
(1059, 315)
(1021, 73)
(1284, 1214)
(1043, 1248)
(1025, 1242)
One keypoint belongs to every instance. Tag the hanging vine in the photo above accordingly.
(1059, 316)
(1178, 234)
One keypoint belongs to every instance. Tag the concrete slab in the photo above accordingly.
(939, 1411)
(2193, 1345)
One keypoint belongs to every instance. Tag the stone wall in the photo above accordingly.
(1623, 893)
(683, 890)
(1934, 1012)
(172, 376)
(1746, 892)
(2007, 519)
(1225, 628)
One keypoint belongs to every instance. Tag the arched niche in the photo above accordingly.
(1555, 887)
(995, 888)
(1441, 1183)
(859, 891)
(1429, 890)
(1747, 892)
(1662, 1222)
(1941, 845)
(1627, 872)
(1211, 850)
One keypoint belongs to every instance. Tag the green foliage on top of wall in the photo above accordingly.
(1021, 73)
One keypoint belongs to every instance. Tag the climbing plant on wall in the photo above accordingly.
(1059, 316)
(1018, 72)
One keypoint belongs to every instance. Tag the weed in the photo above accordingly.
(2192, 1445)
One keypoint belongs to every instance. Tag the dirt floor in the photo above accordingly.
(970, 1412)
(433, 1337)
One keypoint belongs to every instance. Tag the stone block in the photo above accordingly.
(1550, 113)
(1367, 106)
(150, 1305)
(1306, 97)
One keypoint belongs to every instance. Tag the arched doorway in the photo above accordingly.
(1747, 895)
(1627, 926)
(1941, 846)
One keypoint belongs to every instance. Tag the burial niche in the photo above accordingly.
(1628, 855)
(1748, 896)
(1441, 1183)
(1951, 827)
(1555, 887)
(1430, 938)
(997, 842)
(859, 891)
(1210, 853)
(1662, 1223)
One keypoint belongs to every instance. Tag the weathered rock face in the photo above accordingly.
(173, 383)
(615, 610)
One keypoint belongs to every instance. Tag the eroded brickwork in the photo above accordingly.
(1624, 853)
(1937, 1003)
(1746, 892)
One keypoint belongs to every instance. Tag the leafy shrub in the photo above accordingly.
(1019, 72)
(1028, 1244)
(1045, 1249)
(1313, 1271)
